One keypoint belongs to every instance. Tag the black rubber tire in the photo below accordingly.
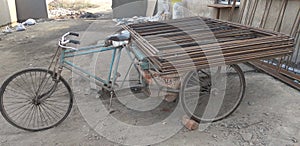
(40, 70)
(240, 96)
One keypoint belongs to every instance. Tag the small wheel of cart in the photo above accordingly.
(35, 100)
(209, 96)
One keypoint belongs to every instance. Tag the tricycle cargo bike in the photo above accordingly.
(192, 59)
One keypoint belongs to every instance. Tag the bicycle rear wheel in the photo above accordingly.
(19, 95)
(212, 96)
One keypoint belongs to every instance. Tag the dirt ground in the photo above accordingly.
(268, 115)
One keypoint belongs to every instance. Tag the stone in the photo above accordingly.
(294, 140)
(250, 103)
(246, 136)
(170, 97)
(224, 125)
(214, 136)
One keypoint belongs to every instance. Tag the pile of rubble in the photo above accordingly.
(62, 13)
(61, 10)
(160, 16)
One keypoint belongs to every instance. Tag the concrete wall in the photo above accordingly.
(7, 12)
(31, 9)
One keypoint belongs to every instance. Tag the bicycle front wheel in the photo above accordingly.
(19, 95)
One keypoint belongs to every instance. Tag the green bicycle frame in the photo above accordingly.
(114, 64)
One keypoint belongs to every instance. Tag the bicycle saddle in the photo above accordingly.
(122, 36)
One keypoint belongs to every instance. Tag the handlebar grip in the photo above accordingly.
(74, 42)
(74, 34)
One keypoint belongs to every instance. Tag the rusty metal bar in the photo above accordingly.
(205, 42)
(282, 75)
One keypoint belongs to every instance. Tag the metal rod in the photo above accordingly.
(183, 46)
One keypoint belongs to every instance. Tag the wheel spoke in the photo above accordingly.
(33, 85)
(22, 87)
(43, 118)
(50, 116)
(43, 86)
(31, 116)
(14, 103)
(21, 90)
(14, 91)
(58, 104)
(56, 101)
(57, 107)
(21, 113)
(53, 111)
(27, 115)
(16, 109)
(28, 85)
(41, 83)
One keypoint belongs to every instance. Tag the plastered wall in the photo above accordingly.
(8, 13)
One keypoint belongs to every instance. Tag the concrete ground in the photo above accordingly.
(268, 115)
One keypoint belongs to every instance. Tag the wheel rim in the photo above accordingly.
(20, 96)
(203, 104)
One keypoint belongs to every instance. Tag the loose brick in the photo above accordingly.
(170, 97)
(189, 123)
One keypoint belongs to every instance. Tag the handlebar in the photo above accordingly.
(74, 42)
(63, 42)
(74, 34)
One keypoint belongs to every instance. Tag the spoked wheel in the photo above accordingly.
(213, 94)
(33, 100)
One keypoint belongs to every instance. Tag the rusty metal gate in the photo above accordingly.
(286, 69)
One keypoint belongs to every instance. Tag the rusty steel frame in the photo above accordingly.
(198, 42)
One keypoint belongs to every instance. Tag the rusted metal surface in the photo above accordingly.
(282, 75)
(197, 42)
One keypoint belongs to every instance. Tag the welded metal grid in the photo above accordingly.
(183, 44)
